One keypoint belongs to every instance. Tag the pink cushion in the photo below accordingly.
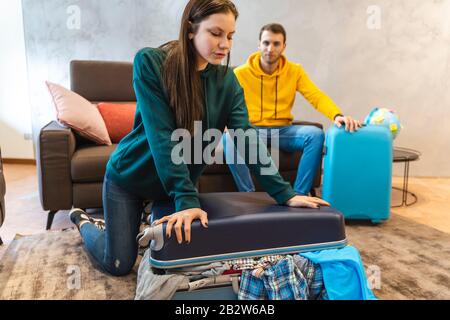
(79, 114)
(119, 118)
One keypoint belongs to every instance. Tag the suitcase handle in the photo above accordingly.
(325, 149)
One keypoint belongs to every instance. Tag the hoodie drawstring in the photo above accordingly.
(261, 97)
(206, 105)
(276, 97)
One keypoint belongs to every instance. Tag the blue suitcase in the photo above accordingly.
(242, 225)
(357, 172)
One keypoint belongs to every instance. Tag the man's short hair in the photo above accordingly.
(275, 28)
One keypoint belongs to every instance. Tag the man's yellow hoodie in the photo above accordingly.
(270, 98)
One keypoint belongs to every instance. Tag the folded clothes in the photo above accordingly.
(226, 272)
(211, 269)
(253, 263)
(328, 274)
(283, 280)
(151, 286)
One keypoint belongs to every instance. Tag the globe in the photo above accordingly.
(384, 117)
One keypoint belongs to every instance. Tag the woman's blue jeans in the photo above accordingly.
(308, 139)
(115, 249)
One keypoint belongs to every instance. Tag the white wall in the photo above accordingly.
(403, 65)
(15, 114)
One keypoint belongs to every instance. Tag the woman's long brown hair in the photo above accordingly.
(181, 79)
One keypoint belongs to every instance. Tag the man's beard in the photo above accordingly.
(273, 60)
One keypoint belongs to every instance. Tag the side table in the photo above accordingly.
(406, 156)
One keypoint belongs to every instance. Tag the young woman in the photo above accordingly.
(175, 85)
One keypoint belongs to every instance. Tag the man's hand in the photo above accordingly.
(350, 123)
(308, 202)
(185, 218)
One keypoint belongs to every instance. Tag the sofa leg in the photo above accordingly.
(51, 215)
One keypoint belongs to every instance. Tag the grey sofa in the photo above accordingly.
(71, 169)
(2, 194)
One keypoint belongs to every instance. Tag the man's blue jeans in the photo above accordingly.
(308, 139)
(115, 249)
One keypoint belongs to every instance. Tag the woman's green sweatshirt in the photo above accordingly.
(142, 162)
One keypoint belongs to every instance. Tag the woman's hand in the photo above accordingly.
(185, 218)
(304, 201)
(350, 123)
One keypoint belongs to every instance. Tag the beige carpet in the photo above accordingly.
(413, 260)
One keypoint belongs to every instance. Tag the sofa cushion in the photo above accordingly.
(89, 163)
(118, 117)
(78, 113)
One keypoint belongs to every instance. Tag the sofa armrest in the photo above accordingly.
(55, 148)
(307, 123)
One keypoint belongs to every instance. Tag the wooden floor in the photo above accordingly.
(24, 214)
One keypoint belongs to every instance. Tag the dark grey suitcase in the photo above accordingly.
(246, 225)
(242, 225)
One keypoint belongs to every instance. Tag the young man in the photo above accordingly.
(270, 83)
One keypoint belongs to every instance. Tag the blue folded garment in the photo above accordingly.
(343, 273)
